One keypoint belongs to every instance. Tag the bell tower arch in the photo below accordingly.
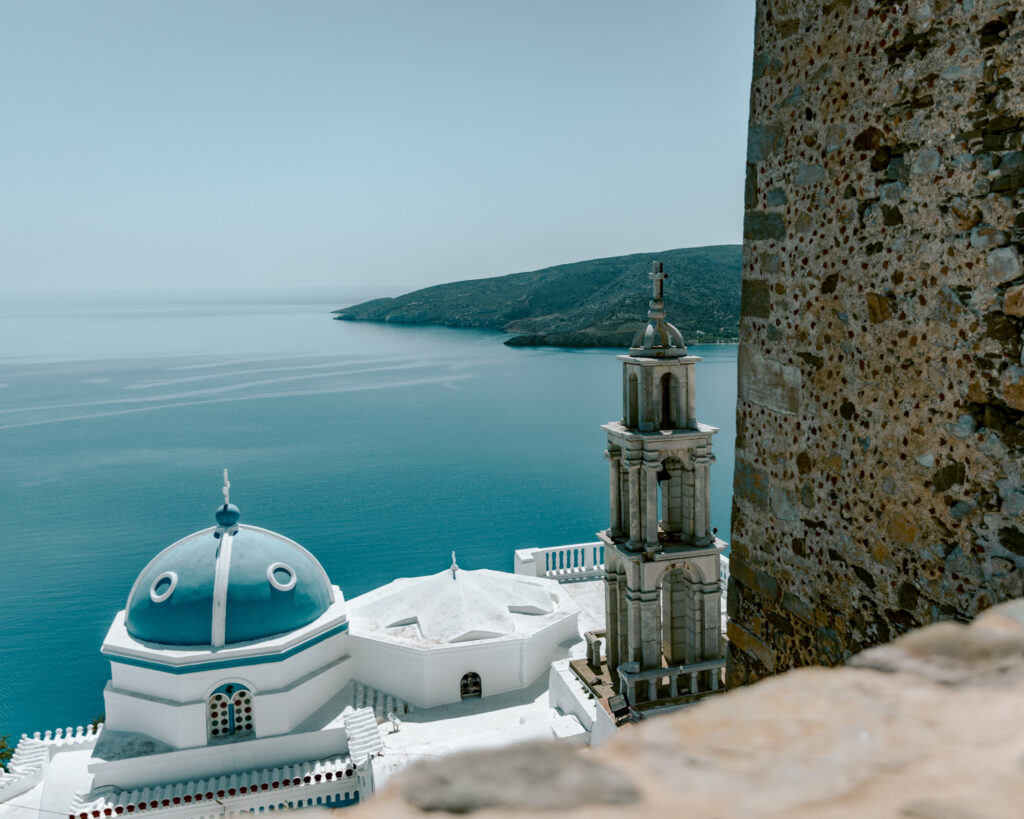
(662, 594)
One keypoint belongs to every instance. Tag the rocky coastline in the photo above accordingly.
(585, 304)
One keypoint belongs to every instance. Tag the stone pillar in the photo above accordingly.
(651, 506)
(702, 498)
(614, 492)
(622, 651)
(650, 630)
(711, 600)
(625, 396)
(634, 628)
(694, 648)
(612, 625)
(686, 497)
(633, 466)
(646, 421)
(691, 398)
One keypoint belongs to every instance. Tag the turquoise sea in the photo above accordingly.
(379, 448)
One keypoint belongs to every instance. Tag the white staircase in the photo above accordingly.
(365, 696)
(364, 739)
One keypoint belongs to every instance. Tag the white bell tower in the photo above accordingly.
(663, 598)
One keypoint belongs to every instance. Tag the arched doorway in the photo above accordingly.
(682, 615)
(229, 712)
(471, 686)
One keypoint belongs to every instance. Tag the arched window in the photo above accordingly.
(470, 686)
(229, 712)
(668, 406)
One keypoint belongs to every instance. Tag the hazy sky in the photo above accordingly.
(184, 143)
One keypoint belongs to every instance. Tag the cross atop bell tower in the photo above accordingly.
(658, 276)
(663, 598)
(658, 338)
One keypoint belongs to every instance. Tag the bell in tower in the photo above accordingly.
(662, 593)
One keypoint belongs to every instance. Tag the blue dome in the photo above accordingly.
(216, 588)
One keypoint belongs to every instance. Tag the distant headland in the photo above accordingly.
(584, 304)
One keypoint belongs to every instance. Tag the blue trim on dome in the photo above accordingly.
(238, 662)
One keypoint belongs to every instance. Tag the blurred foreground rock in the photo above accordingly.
(928, 727)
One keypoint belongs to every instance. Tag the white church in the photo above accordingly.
(242, 681)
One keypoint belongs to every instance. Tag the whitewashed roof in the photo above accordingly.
(460, 606)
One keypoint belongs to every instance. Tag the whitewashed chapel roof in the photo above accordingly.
(459, 606)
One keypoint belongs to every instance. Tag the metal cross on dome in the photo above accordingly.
(227, 488)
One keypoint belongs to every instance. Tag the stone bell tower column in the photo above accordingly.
(661, 558)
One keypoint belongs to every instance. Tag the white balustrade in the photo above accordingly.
(578, 561)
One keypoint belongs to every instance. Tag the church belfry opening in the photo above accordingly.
(663, 598)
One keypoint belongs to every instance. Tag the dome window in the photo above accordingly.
(163, 587)
(281, 576)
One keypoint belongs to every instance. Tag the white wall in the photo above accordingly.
(172, 707)
(428, 677)
(182, 725)
(396, 670)
(567, 693)
(214, 760)
(498, 663)
(544, 647)
(604, 728)
(278, 712)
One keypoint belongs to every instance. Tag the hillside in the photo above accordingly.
(597, 303)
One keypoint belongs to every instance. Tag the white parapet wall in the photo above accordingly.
(31, 758)
(569, 695)
(218, 758)
(331, 782)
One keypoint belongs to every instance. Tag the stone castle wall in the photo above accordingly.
(879, 424)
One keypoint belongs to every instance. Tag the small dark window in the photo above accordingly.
(470, 686)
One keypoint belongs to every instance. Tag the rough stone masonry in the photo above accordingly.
(879, 447)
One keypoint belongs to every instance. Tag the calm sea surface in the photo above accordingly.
(381, 449)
